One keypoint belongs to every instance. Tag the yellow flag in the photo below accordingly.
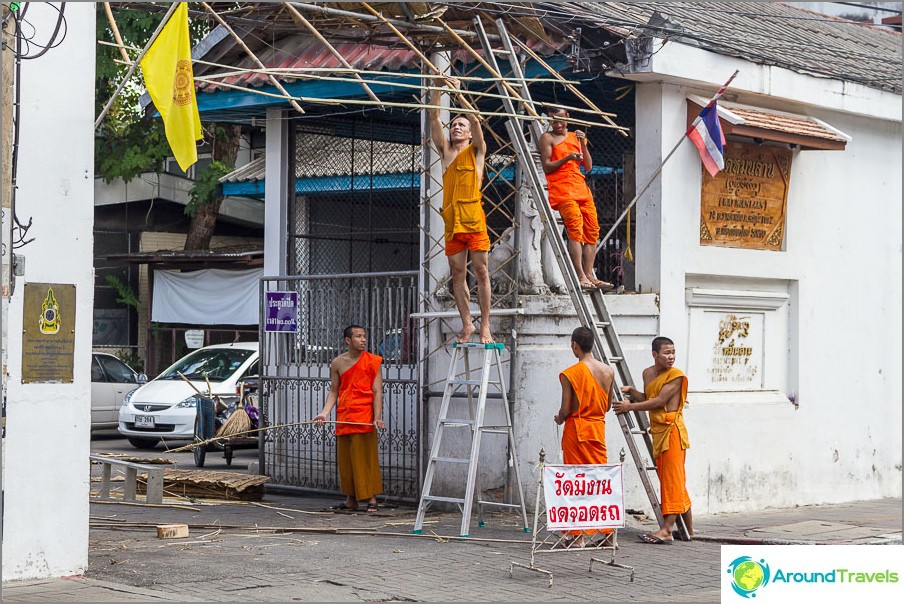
(169, 80)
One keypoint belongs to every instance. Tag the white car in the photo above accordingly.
(166, 406)
(111, 381)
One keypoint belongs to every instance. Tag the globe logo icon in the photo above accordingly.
(748, 575)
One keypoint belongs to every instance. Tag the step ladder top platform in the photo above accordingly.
(496, 345)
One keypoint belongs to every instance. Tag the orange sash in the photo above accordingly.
(568, 182)
(661, 421)
(462, 209)
(590, 419)
(356, 395)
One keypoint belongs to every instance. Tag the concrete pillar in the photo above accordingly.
(279, 188)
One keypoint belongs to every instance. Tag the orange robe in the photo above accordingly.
(570, 195)
(462, 209)
(670, 443)
(568, 182)
(356, 446)
(584, 434)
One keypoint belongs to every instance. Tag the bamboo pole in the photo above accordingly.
(325, 10)
(251, 54)
(573, 89)
(115, 31)
(528, 106)
(461, 98)
(331, 48)
(125, 79)
(256, 430)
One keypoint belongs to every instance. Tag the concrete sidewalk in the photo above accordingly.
(293, 548)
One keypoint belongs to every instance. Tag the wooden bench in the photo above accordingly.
(154, 490)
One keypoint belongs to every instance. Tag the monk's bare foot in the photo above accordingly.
(464, 336)
(485, 336)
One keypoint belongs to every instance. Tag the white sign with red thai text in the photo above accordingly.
(583, 496)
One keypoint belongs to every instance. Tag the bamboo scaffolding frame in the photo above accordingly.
(249, 52)
(302, 76)
(528, 105)
(297, 15)
(290, 71)
(376, 16)
(570, 87)
(362, 102)
(461, 99)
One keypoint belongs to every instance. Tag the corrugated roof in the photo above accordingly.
(767, 33)
(323, 155)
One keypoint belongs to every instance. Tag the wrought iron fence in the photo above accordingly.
(295, 378)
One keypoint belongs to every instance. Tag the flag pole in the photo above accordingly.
(122, 84)
(643, 190)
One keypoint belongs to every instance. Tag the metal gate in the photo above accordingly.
(295, 378)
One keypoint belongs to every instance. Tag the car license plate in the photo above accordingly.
(144, 421)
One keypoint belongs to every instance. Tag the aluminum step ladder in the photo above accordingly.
(590, 306)
(461, 384)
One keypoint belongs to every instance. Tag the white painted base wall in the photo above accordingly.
(842, 269)
(45, 465)
(543, 351)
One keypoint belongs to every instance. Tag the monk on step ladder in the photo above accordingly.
(463, 156)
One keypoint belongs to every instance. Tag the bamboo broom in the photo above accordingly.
(238, 422)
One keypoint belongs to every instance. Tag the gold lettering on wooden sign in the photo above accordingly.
(744, 204)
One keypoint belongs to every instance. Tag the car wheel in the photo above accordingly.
(140, 442)
(200, 451)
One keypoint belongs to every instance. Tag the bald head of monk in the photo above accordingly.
(355, 338)
(459, 129)
(581, 341)
(663, 353)
(558, 125)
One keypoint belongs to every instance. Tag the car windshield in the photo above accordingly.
(215, 364)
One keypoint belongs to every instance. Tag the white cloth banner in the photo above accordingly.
(583, 496)
(211, 296)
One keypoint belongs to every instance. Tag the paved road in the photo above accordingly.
(111, 441)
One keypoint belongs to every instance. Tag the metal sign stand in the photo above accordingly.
(545, 541)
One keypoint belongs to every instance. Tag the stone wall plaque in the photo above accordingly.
(744, 204)
(48, 333)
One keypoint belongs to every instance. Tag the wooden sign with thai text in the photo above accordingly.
(744, 204)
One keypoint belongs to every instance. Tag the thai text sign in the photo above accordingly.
(48, 333)
(744, 204)
(583, 496)
(281, 311)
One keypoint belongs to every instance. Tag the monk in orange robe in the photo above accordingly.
(463, 155)
(585, 401)
(562, 153)
(356, 390)
(664, 396)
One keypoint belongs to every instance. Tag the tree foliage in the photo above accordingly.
(128, 142)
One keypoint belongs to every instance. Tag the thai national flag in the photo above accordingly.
(706, 134)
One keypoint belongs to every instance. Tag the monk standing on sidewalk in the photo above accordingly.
(664, 395)
(356, 390)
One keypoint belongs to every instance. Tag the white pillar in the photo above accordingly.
(649, 154)
(277, 180)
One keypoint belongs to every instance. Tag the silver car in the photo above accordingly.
(111, 380)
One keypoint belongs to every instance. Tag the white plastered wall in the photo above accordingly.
(841, 268)
(46, 472)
